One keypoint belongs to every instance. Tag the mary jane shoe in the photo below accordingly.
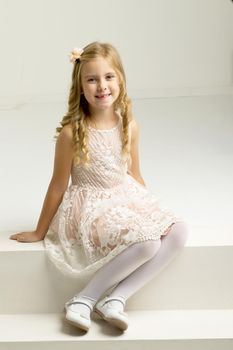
(75, 318)
(112, 315)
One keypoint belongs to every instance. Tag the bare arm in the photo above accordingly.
(134, 153)
(58, 184)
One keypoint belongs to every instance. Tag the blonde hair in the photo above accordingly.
(78, 106)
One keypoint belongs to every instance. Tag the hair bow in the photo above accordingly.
(75, 54)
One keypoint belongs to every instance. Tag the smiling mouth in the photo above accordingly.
(102, 97)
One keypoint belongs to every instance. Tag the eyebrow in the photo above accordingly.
(96, 75)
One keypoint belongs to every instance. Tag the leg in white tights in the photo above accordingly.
(134, 267)
(171, 245)
(116, 270)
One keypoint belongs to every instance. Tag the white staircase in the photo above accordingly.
(189, 304)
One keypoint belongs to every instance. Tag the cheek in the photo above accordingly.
(88, 90)
(117, 89)
(115, 86)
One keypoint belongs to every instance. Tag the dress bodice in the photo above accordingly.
(107, 167)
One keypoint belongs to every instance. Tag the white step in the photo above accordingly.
(160, 330)
(199, 278)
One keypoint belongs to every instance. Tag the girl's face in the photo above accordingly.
(100, 84)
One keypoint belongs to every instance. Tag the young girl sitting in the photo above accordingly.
(105, 222)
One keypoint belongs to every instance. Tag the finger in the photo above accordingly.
(21, 238)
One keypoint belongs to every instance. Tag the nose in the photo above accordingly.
(102, 85)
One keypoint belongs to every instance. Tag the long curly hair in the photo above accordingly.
(78, 108)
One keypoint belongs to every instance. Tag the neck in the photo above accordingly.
(103, 114)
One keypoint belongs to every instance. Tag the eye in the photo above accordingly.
(110, 76)
(91, 80)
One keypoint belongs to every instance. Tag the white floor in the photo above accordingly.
(186, 152)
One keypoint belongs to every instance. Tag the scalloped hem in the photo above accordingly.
(55, 253)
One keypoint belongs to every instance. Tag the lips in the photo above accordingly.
(103, 96)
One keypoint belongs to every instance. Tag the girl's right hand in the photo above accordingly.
(27, 237)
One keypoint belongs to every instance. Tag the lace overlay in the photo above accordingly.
(104, 210)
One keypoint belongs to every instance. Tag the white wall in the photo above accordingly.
(172, 47)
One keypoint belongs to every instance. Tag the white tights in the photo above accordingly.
(134, 267)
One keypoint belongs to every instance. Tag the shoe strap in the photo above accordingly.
(121, 299)
(79, 300)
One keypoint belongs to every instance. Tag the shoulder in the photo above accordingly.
(67, 131)
(134, 129)
(64, 142)
(66, 134)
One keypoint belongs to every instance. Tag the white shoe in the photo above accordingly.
(112, 315)
(76, 318)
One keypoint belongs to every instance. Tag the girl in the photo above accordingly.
(105, 223)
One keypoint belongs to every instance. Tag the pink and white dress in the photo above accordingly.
(104, 210)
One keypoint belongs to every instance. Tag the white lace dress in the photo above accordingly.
(103, 211)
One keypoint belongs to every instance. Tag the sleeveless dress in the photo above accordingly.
(104, 210)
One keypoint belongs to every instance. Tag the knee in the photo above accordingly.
(146, 250)
(179, 233)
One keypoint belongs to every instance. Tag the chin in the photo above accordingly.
(103, 108)
(105, 105)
